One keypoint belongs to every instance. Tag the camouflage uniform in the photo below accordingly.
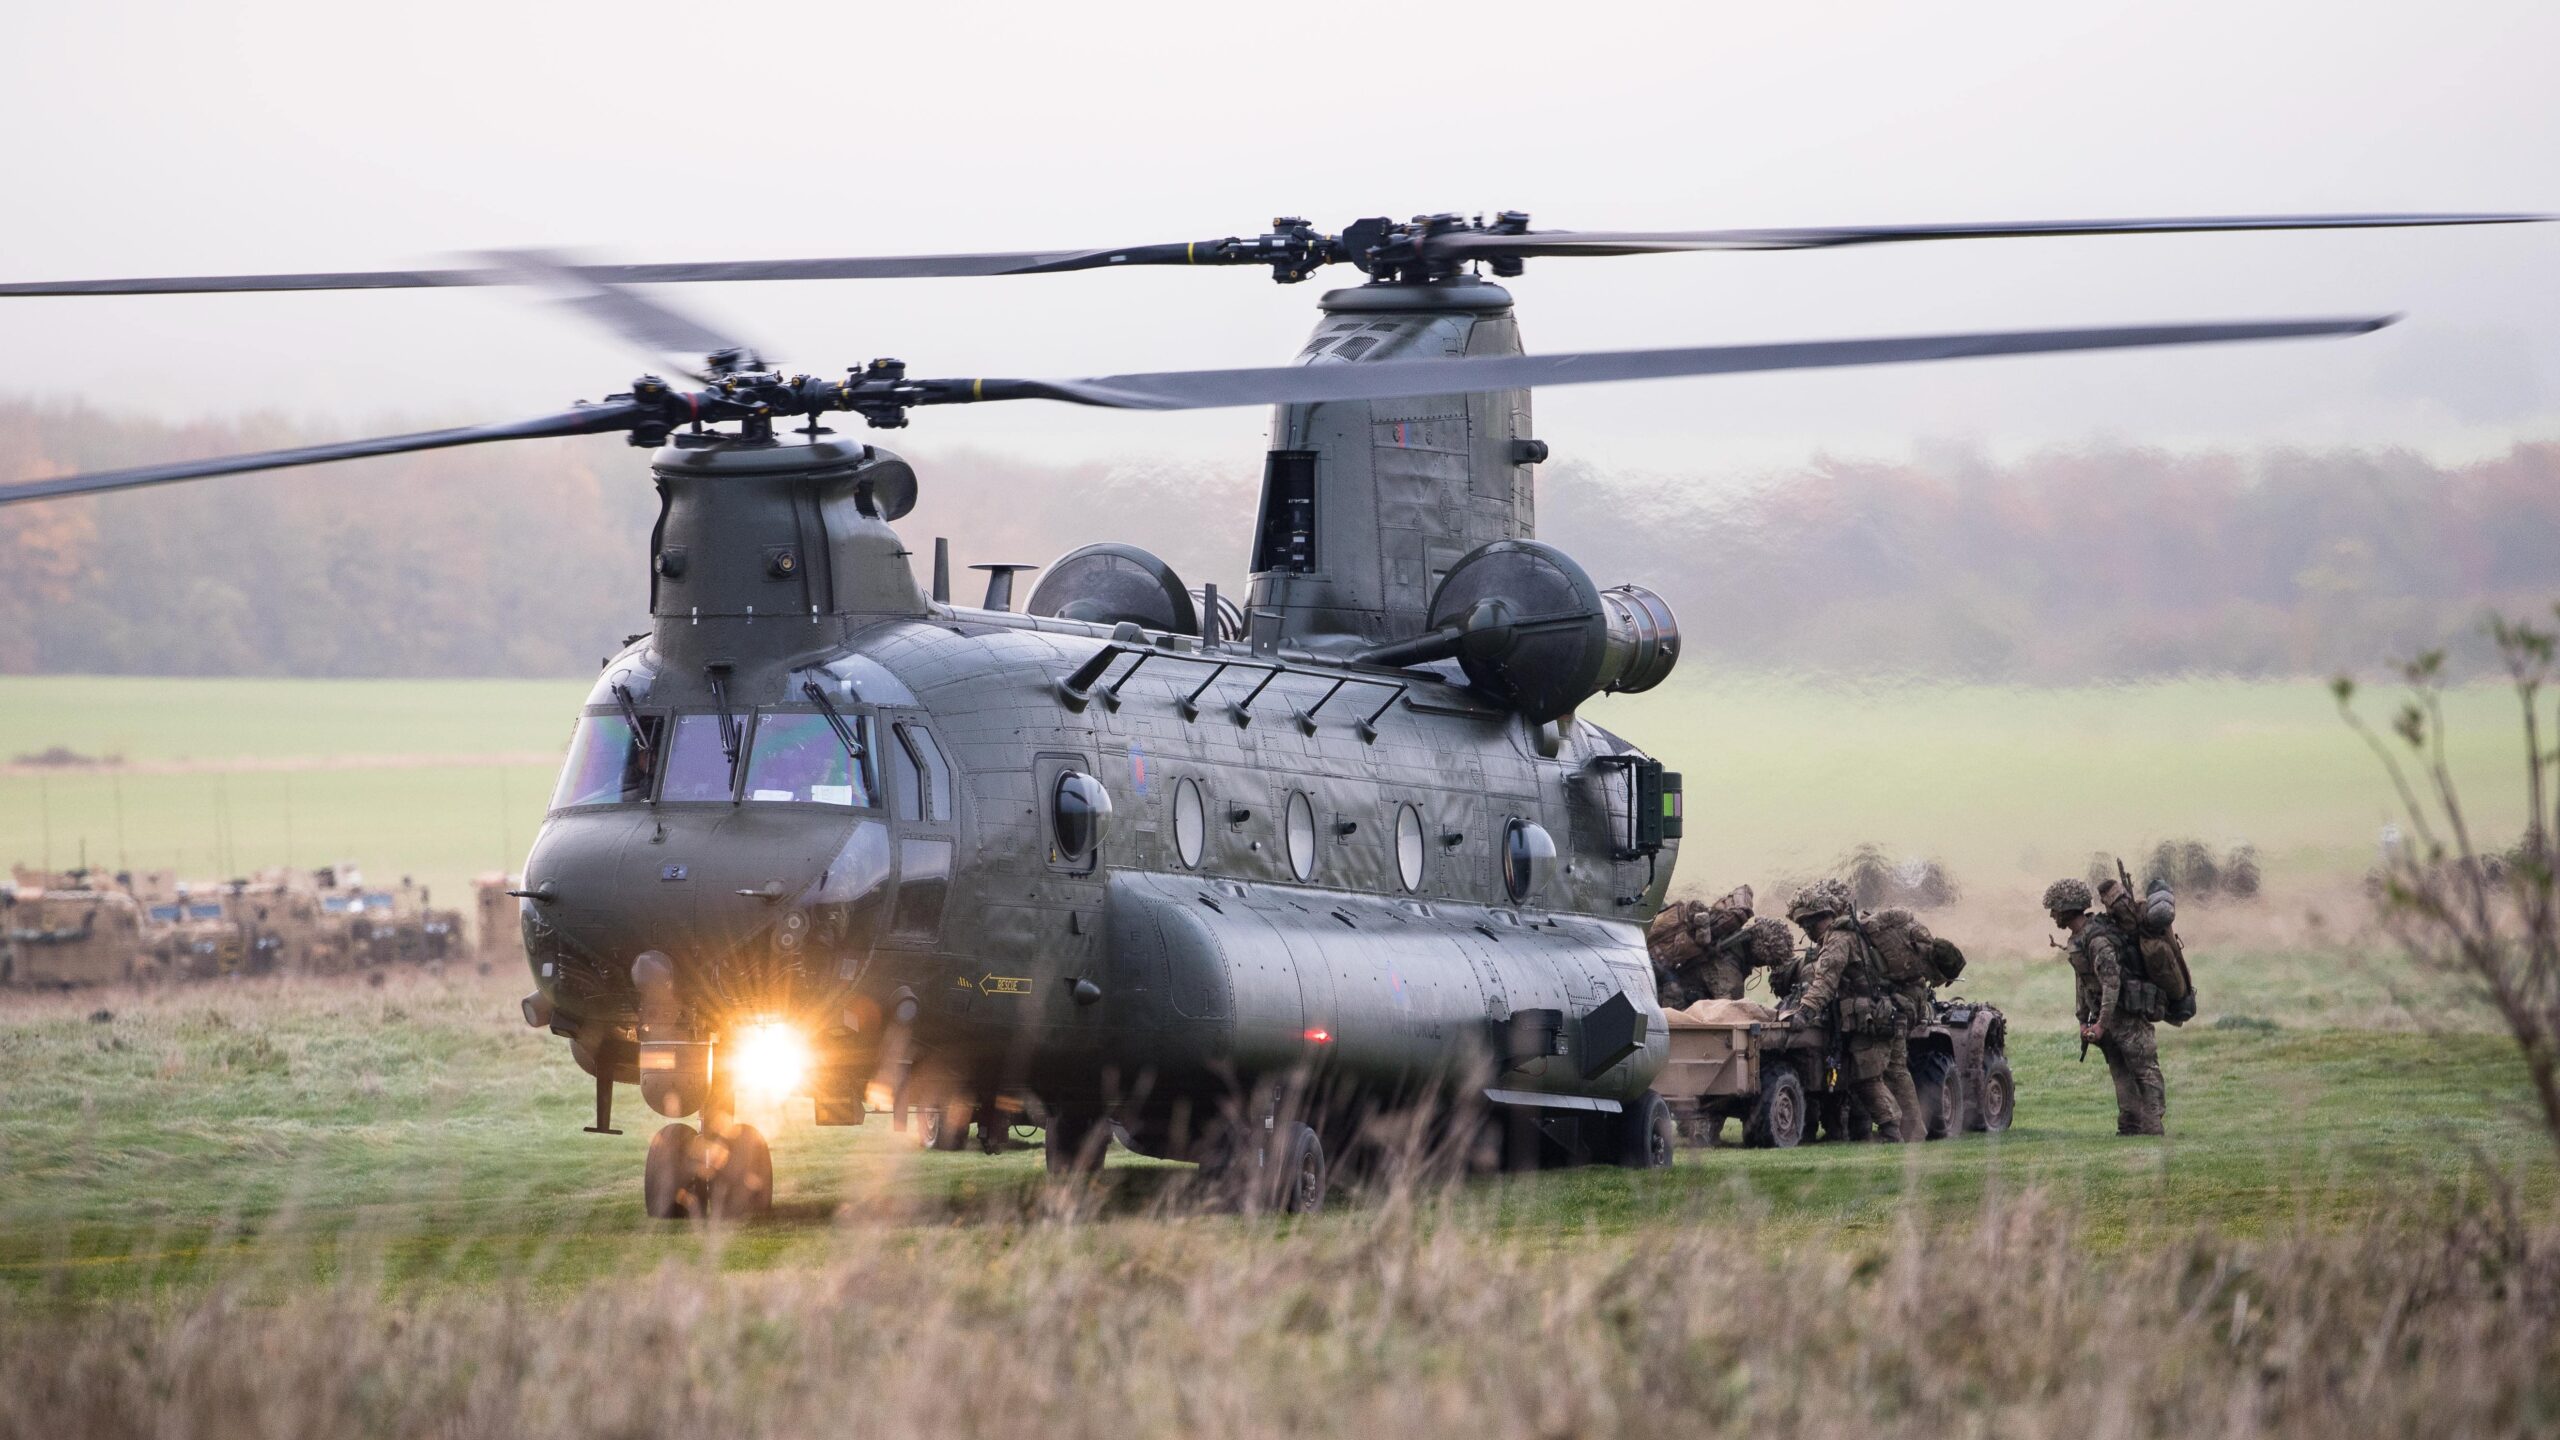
(1700, 952)
(1843, 975)
(2099, 961)
(1768, 946)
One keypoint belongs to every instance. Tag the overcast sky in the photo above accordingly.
(153, 137)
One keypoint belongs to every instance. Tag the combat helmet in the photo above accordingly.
(1771, 945)
(1822, 897)
(2067, 896)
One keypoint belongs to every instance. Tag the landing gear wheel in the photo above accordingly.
(1779, 1122)
(1075, 1143)
(1293, 1169)
(944, 1128)
(741, 1185)
(1647, 1134)
(1999, 1094)
(668, 1182)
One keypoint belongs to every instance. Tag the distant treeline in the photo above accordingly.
(2070, 565)
(2086, 564)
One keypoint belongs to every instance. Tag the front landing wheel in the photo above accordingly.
(741, 1183)
(668, 1186)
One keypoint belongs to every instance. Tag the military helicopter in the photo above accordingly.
(1106, 861)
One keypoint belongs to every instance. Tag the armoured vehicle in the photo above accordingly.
(194, 938)
(824, 831)
(78, 930)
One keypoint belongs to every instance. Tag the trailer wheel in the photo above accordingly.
(1778, 1122)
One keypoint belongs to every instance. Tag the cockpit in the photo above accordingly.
(828, 743)
(796, 756)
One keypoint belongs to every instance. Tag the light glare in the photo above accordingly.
(769, 1061)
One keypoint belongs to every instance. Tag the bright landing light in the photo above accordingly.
(768, 1061)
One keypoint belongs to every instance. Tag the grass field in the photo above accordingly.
(193, 1125)
(301, 1205)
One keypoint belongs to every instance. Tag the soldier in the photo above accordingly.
(1904, 946)
(1699, 951)
(2115, 1007)
(1766, 945)
(1843, 978)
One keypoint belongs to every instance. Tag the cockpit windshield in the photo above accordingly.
(698, 765)
(605, 765)
(802, 757)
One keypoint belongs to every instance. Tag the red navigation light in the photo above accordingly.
(1319, 1036)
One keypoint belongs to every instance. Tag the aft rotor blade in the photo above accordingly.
(585, 420)
(662, 331)
(855, 267)
(1398, 379)
(1469, 244)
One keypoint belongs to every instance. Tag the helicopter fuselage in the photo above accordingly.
(1008, 858)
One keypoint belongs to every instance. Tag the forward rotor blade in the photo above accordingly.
(1226, 250)
(585, 420)
(1463, 244)
(877, 267)
(1399, 379)
(665, 333)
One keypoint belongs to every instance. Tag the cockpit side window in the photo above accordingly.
(698, 765)
(605, 765)
(800, 756)
(924, 780)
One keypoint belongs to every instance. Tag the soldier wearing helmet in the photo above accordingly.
(2116, 1018)
(1844, 982)
(1703, 952)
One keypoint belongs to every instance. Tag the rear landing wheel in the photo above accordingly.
(1293, 1169)
(1075, 1143)
(1647, 1134)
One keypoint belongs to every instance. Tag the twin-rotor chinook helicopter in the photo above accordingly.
(1131, 859)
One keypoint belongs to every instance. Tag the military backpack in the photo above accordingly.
(2151, 933)
(1673, 936)
(1902, 945)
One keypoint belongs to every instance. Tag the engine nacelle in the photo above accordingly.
(1530, 629)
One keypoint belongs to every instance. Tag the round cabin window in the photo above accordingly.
(1078, 809)
(1190, 823)
(1528, 853)
(1302, 836)
(1409, 848)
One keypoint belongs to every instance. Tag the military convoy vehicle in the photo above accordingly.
(500, 933)
(356, 926)
(69, 930)
(82, 928)
(1735, 1060)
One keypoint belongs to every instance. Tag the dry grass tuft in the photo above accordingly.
(1397, 1323)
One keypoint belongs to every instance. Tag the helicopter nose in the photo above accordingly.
(757, 908)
